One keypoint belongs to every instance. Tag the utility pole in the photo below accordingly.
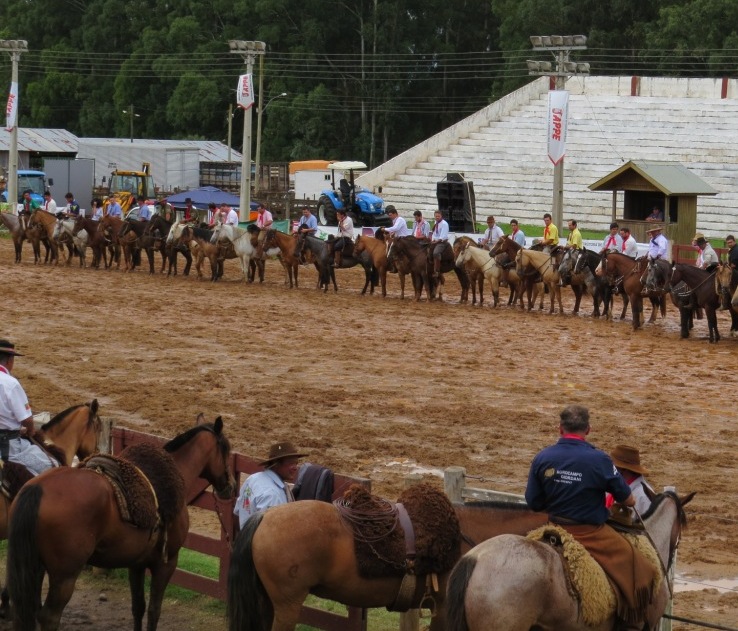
(230, 129)
(560, 46)
(15, 47)
(248, 50)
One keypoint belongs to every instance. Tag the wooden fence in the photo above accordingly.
(220, 546)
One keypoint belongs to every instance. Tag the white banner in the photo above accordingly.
(11, 111)
(245, 97)
(558, 113)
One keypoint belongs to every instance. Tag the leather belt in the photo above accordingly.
(563, 521)
(10, 433)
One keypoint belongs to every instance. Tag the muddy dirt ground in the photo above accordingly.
(382, 387)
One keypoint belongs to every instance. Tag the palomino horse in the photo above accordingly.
(266, 593)
(46, 223)
(543, 265)
(76, 241)
(476, 277)
(73, 432)
(16, 225)
(376, 250)
(693, 288)
(726, 285)
(287, 246)
(471, 255)
(521, 584)
(243, 244)
(504, 253)
(67, 518)
(628, 272)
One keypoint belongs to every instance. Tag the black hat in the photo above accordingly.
(188, 200)
(8, 348)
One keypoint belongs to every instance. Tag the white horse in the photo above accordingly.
(241, 239)
(79, 241)
(480, 258)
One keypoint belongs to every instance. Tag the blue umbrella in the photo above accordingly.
(201, 197)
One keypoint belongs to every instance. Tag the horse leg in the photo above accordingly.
(60, 592)
(160, 577)
(684, 318)
(636, 307)
(136, 576)
(712, 324)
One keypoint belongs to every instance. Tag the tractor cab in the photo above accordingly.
(364, 208)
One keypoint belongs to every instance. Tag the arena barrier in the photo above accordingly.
(220, 547)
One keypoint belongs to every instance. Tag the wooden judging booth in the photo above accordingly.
(670, 186)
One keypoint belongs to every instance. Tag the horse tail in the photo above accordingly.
(25, 569)
(248, 606)
(456, 594)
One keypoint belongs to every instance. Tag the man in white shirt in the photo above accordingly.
(399, 225)
(612, 241)
(492, 234)
(707, 256)
(269, 487)
(49, 204)
(628, 462)
(439, 241)
(344, 235)
(629, 247)
(658, 245)
(230, 216)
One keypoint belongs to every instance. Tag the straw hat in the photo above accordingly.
(654, 229)
(629, 458)
(281, 450)
(697, 236)
(8, 348)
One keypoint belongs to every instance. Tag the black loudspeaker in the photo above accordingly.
(456, 203)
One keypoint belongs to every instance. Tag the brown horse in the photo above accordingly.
(287, 245)
(111, 227)
(67, 518)
(726, 284)
(629, 273)
(504, 253)
(45, 222)
(521, 585)
(305, 547)
(73, 432)
(16, 225)
(204, 250)
(97, 241)
(693, 288)
(376, 249)
(544, 265)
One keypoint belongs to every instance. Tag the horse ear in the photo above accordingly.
(218, 425)
(686, 499)
(200, 419)
(94, 407)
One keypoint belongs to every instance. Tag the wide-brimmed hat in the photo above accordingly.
(8, 348)
(281, 450)
(627, 457)
(654, 228)
(697, 236)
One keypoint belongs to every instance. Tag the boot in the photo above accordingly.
(338, 260)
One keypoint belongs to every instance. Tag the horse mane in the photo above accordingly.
(178, 441)
(659, 499)
(58, 418)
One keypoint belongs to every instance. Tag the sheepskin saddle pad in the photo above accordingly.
(382, 544)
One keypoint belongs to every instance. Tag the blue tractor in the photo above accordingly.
(365, 208)
(33, 180)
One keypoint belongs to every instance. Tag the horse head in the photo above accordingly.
(519, 263)
(463, 255)
(723, 283)
(220, 231)
(359, 245)
(656, 276)
(568, 264)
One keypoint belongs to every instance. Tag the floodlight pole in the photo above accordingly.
(248, 50)
(560, 47)
(15, 47)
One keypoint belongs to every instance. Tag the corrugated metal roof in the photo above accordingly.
(40, 140)
(210, 150)
(671, 178)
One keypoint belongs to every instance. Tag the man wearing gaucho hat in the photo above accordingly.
(658, 245)
(16, 418)
(269, 487)
(627, 459)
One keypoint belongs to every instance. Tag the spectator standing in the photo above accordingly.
(656, 215)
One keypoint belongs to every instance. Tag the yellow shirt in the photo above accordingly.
(575, 239)
(551, 234)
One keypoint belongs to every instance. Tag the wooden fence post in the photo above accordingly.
(105, 440)
(410, 620)
(454, 479)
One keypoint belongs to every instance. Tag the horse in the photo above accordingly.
(726, 285)
(544, 265)
(46, 223)
(472, 256)
(577, 269)
(697, 291)
(76, 240)
(67, 518)
(97, 240)
(287, 246)
(157, 230)
(73, 432)
(321, 255)
(205, 249)
(266, 593)
(521, 584)
(622, 269)
(16, 225)
(504, 253)
(376, 249)
(242, 241)
(174, 246)
(110, 227)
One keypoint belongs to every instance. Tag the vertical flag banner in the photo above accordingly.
(11, 111)
(245, 97)
(558, 114)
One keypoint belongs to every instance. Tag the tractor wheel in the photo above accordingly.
(326, 212)
(358, 219)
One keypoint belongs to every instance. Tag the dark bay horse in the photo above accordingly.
(577, 269)
(97, 240)
(265, 592)
(521, 585)
(726, 285)
(693, 288)
(67, 518)
(629, 273)
(111, 227)
(504, 253)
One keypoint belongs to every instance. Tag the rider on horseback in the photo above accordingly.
(439, 242)
(344, 236)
